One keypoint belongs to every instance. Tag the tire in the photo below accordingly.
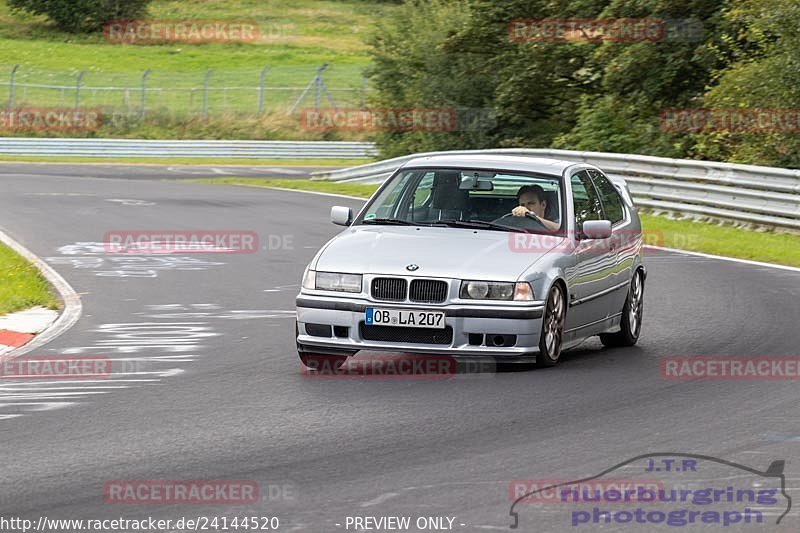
(632, 311)
(552, 336)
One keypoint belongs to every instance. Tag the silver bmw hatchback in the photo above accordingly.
(509, 257)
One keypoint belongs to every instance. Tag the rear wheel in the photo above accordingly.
(552, 336)
(631, 323)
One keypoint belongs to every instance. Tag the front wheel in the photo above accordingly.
(631, 323)
(552, 336)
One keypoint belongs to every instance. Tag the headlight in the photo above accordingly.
(493, 290)
(333, 281)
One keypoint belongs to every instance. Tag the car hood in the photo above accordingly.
(439, 252)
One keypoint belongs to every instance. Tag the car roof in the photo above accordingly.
(493, 162)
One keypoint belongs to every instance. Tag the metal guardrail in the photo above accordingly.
(209, 149)
(742, 193)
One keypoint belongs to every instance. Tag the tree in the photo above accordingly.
(638, 81)
(415, 66)
(763, 46)
(82, 15)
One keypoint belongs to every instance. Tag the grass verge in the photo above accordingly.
(728, 241)
(291, 32)
(295, 37)
(21, 284)
(780, 248)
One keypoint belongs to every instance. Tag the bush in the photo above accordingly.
(82, 15)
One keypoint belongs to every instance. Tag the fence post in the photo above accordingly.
(144, 92)
(205, 93)
(318, 84)
(317, 88)
(261, 89)
(11, 87)
(78, 82)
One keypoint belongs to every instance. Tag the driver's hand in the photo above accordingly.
(520, 211)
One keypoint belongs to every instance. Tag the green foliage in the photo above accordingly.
(598, 95)
(82, 15)
(416, 67)
(762, 40)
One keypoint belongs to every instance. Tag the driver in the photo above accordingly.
(533, 203)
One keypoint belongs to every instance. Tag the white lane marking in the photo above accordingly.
(380, 499)
(82, 382)
(184, 311)
(723, 258)
(38, 395)
(131, 202)
(234, 315)
(39, 406)
(25, 397)
(44, 388)
(138, 336)
(161, 373)
(280, 288)
(132, 266)
(55, 193)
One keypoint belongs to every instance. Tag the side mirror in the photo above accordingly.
(341, 216)
(596, 229)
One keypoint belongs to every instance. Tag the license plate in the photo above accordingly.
(406, 318)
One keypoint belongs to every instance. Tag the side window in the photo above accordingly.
(585, 200)
(385, 205)
(612, 203)
(423, 190)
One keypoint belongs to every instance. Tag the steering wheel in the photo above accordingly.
(533, 219)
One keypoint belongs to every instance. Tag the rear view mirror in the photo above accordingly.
(475, 183)
(341, 216)
(596, 229)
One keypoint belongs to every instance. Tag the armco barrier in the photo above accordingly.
(66, 147)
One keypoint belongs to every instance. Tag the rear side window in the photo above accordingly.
(612, 203)
(586, 201)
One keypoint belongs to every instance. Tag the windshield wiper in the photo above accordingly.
(481, 224)
(390, 222)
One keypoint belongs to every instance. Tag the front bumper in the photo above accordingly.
(522, 321)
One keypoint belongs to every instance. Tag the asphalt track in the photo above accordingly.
(207, 384)
(148, 171)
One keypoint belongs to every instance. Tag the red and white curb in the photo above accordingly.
(27, 330)
(17, 329)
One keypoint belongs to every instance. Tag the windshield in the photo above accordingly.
(481, 199)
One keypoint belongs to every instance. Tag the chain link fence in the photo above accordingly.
(184, 93)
